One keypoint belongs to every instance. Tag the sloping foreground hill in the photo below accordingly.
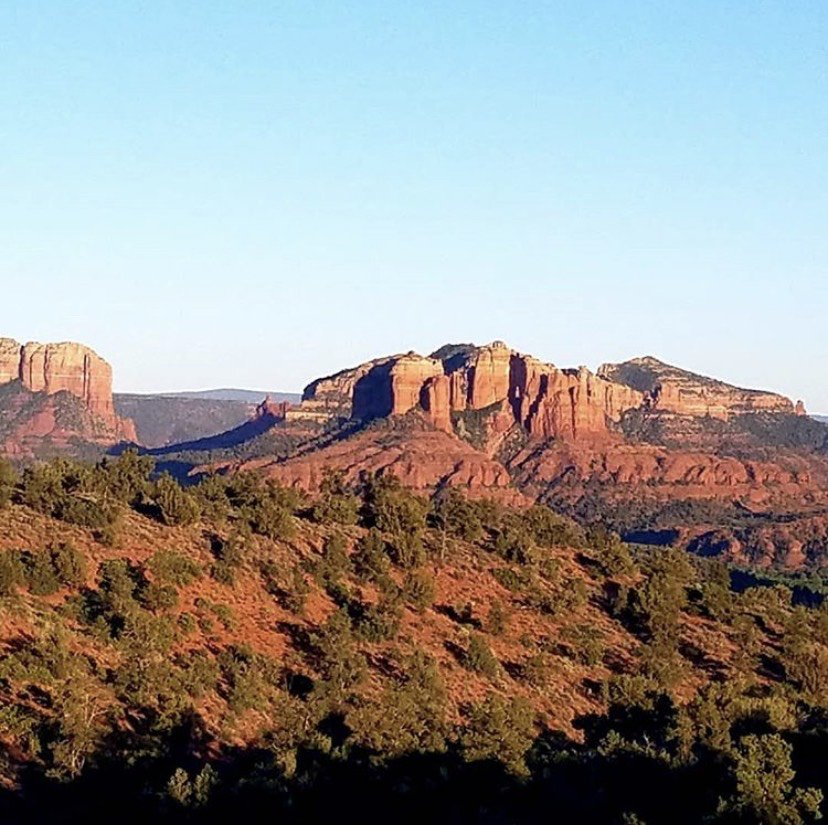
(234, 649)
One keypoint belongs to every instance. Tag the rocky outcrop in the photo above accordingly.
(71, 368)
(670, 389)
(547, 402)
(422, 458)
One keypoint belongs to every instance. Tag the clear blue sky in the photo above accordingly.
(256, 193)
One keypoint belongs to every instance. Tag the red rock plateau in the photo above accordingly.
(57, 394)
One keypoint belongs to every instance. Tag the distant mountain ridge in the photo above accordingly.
(225, 394)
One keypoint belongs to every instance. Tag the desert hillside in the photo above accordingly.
(370, 649)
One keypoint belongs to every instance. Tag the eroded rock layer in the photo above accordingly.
(670, 389)
(546, 401)
(51, 369)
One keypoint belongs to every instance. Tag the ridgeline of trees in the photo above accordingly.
(115, 701)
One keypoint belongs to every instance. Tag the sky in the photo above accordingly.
(253, 194)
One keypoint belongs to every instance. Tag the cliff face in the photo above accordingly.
(67, 367)
(515, 389)
(669, 389)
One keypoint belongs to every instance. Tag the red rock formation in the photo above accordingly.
(277, 410)
(670, 389)
(423, 459)
(71, 368)
(546, 401)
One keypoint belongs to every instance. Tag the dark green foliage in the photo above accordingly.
(515, 579)
(479, 657)
(46, 571)
(587, 644)
(407, 551)
(391, 508)
(498, 618)
(548, 529)
(336, 503)
(340, 665)
(67, 491)
(69, 564)
(456, 515)
(764, 774)
(296, 592)
(499, 729)
(159, 597)
(12, 572)
(8, 481)
(515, 543)
(613, 556)
(125, 478)
(335, 562)
(249, 679)
(379, 622)
(230, 555)
(174, 568)
(39, 573)
(117, 598)
(265, 506)
(419, 589)
(370, 558)
(173, 504)
(213, 499)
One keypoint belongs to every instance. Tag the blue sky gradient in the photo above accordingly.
(254, 194)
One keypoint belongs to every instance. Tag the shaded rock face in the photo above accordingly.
(669, 389)
(546, 401)
(71, 368)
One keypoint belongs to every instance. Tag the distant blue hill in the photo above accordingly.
(230, 394)
(822, 418)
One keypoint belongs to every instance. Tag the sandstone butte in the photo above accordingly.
(513, 388)
(528, 424)
(70, 368)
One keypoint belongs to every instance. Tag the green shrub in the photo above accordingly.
(587, 643)
(548, 529)
(479, 657)
(174, 504)
(69, 564)
(125, 478)
(456, 515)
(498, 618)
(514, 543)
(407, 551)
(172, 567)
(40, 575)
(336, 504)
(159, 597)
(370, 558)
(335, 562)
(393, 509)
(419, 589)
(230, 555)
(513, 579)
(8, 481)
(12, 572)
(295, 595)
(499, 729)
(380, 622)
(266, 506)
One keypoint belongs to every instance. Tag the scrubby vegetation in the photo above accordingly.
(232, 649)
